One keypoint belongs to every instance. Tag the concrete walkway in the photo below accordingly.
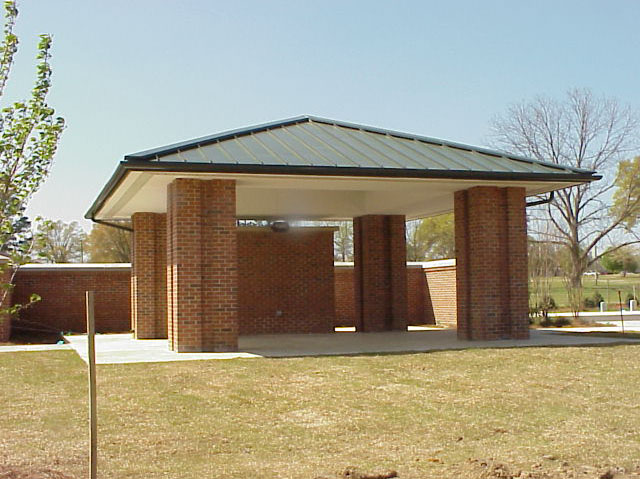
(33, 347)
(122, 348)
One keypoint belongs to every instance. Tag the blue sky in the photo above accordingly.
(131, 75)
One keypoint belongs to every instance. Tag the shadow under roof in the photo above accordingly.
(310, 147)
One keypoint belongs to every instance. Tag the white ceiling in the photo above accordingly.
(307, 197)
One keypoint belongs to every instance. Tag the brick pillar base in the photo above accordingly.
(148, 276)
(491, 259)
(202, 265)
(380, 273)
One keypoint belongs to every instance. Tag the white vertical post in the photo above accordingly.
(91, 357)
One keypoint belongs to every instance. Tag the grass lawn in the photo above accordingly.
(607, 285)
(423, 415)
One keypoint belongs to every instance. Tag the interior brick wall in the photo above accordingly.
(286, 281)
(441, 294)
(63, 296)
(431, 296)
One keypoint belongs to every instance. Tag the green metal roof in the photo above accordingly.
(312, 147)
(309, 142)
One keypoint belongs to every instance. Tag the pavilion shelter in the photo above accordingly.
(191, 273)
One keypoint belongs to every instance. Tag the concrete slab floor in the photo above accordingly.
(122, 348)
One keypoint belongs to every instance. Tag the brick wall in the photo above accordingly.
(431, 294)
(344, 296)
(62, 288)
(431, 291)
(285, 282)
(5, 299)
(441, 291)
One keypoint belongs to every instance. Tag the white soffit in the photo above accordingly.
(305, 196)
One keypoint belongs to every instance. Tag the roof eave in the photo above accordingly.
(182, 167)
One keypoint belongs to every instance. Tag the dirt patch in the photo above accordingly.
(546, 469)
(491, 469)
(24, 472)
(353, 473)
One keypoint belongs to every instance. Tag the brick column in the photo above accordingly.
(380, 273)
(491, 259)
(148, 276)
(202, 265)
(6, 271)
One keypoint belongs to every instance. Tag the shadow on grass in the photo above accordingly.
(629, 342)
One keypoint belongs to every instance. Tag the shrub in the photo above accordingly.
(593, 301)
(555, 322)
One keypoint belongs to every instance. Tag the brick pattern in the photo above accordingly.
(491, 254)
(5, 301)
(380, 280)
(441, 294)
(148, 276)
(63, 306)
(202, 265)
(419, 309)
(63, 297)
(285, 282)
(344, 296)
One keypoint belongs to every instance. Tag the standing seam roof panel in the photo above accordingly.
(259, 151)
(344, 148)
(300, 148)
(336, 135)
(332, 152)
(365, 140)
(389, 146)
(429, 151)
(406, 146)
(316, 147)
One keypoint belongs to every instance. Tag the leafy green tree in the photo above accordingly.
(29, 131)
(620, 260)
(60, 242)
(431, 238)
(106, 244)
(29, 135)
(626, 199)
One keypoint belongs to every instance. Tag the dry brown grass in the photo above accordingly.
(534, 410)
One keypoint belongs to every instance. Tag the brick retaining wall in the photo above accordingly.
(62, 288)
(431, 290)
